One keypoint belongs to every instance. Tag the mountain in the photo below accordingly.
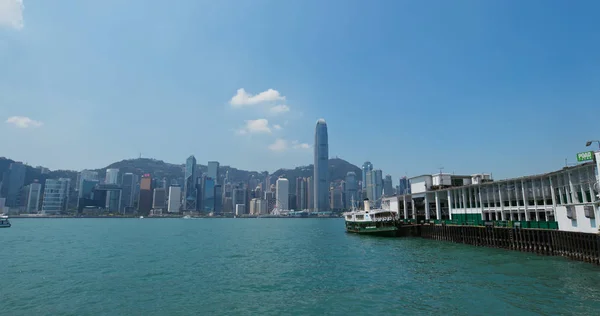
(338, 168)
(160, 169)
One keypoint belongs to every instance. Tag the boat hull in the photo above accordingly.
(5, 225)
(385, 232)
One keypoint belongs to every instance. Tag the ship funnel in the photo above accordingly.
(367, 205)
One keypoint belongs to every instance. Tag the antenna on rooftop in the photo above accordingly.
(441, 168)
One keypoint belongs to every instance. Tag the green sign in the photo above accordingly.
(585, 156)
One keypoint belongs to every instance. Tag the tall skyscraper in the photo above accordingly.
(310, 193)
(174, 203)
(303, 196)
(282, 191)
(189, 189)
(366, 167)
(112, 176)
(128, 193)
(388, 189)
(351, 190)
(377, 185)
(12, 183)
(34, 195)
(403, 186)
(321, 166)
(208, 202)
(85, 175)
(213, 171)
(56, 195)
(159, 199)
(145, 202)
(218, 209)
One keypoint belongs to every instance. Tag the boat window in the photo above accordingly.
(349, 216)
(361, 217)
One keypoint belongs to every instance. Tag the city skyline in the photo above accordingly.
(461, 65)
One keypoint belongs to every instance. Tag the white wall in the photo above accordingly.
(580, 224)
(282, 191)
(443, 179)
(420, 184)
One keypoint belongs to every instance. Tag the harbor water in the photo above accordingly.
(272, 267)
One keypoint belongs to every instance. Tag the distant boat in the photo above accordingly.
(4, 222)
(187, 217)
(141, 216)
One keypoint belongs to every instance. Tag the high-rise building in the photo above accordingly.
(310, 193)
(174, 202)
(377, 182)
(303, 196)
(336, 198)
(159, 199)
(34, 194)
(129, 185)
(112, 176)
(370, 185)
(146, 194)
(292, 200)
(239, 196)
(403, 186)
(89, 175)
(282, 191)
(218, 209)
(208, 200)
(366, 167)
(388, 189)
(13, 181)
(56, 195)
(271, 201)
(321, 166)
(213, 171)
(190, 183)
(351, 190)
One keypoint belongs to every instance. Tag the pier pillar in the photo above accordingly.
(502, 215)
(427, 214)
(414, 211)
(438, 210)
(525, 202)
(553, 193)
(405, 206)
(450, 201)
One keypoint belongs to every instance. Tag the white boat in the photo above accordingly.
(382, 221)
(141, 217)
(187, 217)
(4, 222)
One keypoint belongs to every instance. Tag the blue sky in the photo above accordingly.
(507, 87)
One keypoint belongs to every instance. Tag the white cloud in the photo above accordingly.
(23, 121)
(277, 126)
(298, 145)
(11, 13)
(255, 126)
(244, 98)
(279, 145)
(279, 109)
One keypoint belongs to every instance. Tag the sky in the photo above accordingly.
(510, 88)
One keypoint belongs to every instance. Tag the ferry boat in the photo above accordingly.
(4, 222)
(378, 222)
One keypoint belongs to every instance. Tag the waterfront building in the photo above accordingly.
(34, 194)
(292, 200)
(366, 167)
(240, 209)
(129, 188)
(302, 205)
(310, 193)
(336, 198)
(84, 175)
(190, 183)
(13, 181)
(321, 167)
(239, 196)
(159, 199)
(351, 192)
(388, 189)
(567, 198)
(271, 201)
(56, 196)
(208, 200)
(282, 192)
(174, 201)
(146, 194)
(213, 171)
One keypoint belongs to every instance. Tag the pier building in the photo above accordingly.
(566, 199)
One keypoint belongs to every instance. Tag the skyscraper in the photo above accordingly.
(366, 167)
(33, 197)
(85, 175)
(403, 186)
(56, 196)
(213, 171)
(377, 185)
(387, 186)
(12, 183)
(310, 193)
(145, 202)
(174, 199)
(208, 202)
(129, 185)
(321, 165)
(302, 205)
(159, 199)
(282, 191)
(112, 176)
(351, 190)
(189, 188)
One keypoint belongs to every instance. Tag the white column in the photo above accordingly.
(450, 201)
(414, 211)
(405, 206)
(502, 215)
(480, 202)
(427, 216)
(438, 210)
(553, 193)
(535, 205)
(524, 200)
(570, 196)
